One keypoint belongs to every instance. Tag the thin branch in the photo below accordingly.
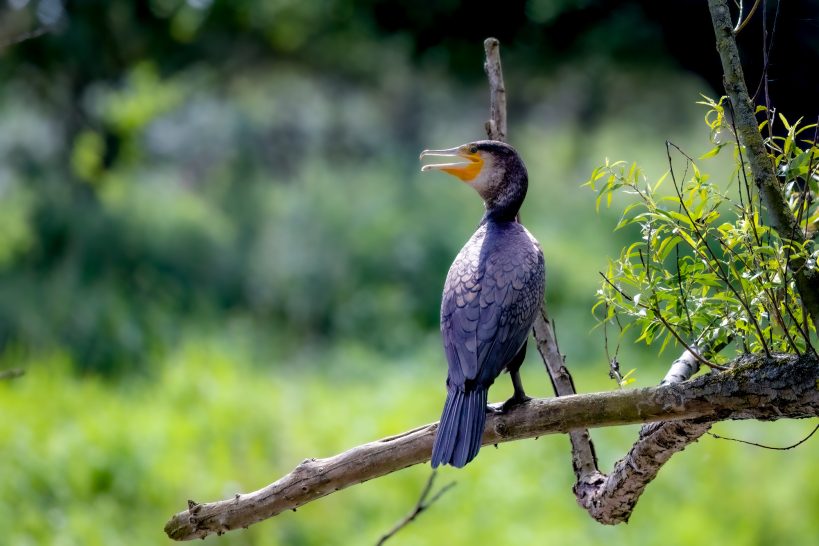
(774, 448)
(584, 459)
(742, 23)
(710, 258)
(783, 386)
(781, 218)
(420, 506)
(614, 364)
(683, 292)
(656, 310)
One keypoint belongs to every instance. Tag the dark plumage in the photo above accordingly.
(492, 293)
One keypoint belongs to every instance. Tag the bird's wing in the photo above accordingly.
(489, 303)
(511, 293)
(460, 313)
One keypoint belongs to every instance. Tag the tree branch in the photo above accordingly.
(420, 506)
(783, 386)
(496, 126)
(610, 499)
(584, 459)
(678, 411)
(781, 218)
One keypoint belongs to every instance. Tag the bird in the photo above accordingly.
(492, 293)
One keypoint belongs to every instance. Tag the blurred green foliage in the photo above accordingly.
(156, 186)
(95, 464)
(218, 257)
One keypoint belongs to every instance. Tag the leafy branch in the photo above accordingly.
(705, 264)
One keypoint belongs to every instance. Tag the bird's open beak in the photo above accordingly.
(466, 169)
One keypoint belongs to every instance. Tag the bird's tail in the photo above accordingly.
(459, 434)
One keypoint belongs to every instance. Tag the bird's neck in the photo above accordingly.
(500, 216)
(504, 205)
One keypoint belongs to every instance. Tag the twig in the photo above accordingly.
(688, 348)
(774, 448)
(743, 23)
(709, 258)
(614, 364)
(656, 310)
(420, 506)
(584, 457)
(781, 218)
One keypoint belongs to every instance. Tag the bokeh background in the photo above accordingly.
(218, 257)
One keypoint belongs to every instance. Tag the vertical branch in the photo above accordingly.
(781, 218)
(609, 499)
(496, 125)
(584, 459)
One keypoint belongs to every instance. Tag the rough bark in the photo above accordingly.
(783, 386)
(610, 499)
(496, 125)
(762, 169)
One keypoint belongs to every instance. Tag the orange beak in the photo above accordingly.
(466, 169)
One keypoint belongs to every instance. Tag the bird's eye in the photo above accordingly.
(473, 149)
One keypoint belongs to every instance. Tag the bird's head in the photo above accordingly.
(493, 168)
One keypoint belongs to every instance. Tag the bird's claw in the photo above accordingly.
(515, 401)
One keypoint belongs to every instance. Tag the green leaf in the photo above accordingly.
(687, 238)
(713, 152)
(784, 121)
(667, 246)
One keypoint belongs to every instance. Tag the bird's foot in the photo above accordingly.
(515, 401)
(494, 410)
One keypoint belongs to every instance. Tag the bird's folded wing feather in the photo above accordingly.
(487, 311)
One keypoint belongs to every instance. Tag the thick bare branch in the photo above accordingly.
(611, 498)
(781, 218)
(783, 386)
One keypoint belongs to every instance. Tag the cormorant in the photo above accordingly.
(492, 293)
